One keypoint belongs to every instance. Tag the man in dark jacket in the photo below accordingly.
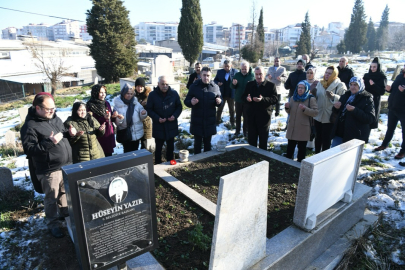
(239, 84)
(260, 96)
(45, 140)
(396, 113)
(204, 95)
(164, 107)
(195, 76)
(224, 79)
(345, 72)
(295, 77)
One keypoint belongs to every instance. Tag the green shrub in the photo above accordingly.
(197, 238)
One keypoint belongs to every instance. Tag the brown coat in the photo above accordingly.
(147, 122)
(298, 128)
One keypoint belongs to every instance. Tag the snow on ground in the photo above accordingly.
(388, 199)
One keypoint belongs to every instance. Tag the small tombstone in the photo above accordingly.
(6, 180)
(10, 138)
(23, 113)
(160, 67)
(397, 71)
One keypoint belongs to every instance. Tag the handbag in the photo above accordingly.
(311, 124)
(124, 135)
(333, 116)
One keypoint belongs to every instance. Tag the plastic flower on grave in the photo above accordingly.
(173, 162)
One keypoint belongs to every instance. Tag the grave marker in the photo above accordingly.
(10, 138)
(6, 180)
(325, 179)
(23, 113)
(239, 239)
(112, 208)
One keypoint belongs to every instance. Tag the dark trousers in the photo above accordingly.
(108, 154)
(131, 146)
(302, 149)
(169, 150)
(241, 109)
(323, 136)
(259, 130)
(393, 118)
(278, 105)
(197, 143)
(231, 106)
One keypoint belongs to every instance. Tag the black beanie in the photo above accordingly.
(140, 81)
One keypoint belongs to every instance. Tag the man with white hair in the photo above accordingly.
(261, 97)
(164, 107)
(345, 72)
(239, 84)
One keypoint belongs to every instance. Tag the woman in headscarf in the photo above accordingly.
(85, 145)
(355, 110)
(301, 108)
(328, 91)
(142, 94)
(101, 111)
(375, 82)
(311, 72)
(130, 126)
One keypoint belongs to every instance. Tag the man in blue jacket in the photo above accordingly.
(164, 107)
(224, 79)
(202, 98)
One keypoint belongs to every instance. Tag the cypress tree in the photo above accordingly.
(260, 34)
(371, 37)
(355, 37)
(341, 47)
(190, 30)
(304, 43)
(382, 31)
(113, 45)
(250, 53)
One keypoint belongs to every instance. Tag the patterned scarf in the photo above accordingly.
(360, 83)
(304, 96)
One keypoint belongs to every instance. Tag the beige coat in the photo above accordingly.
(325, 104)
(298, 128)
(280, 72)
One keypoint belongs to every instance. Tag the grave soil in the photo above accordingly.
(203, 176)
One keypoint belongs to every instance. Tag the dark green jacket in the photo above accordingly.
(241, 85)
(85, 147)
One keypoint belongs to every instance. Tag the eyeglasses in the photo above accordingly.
(48, 109)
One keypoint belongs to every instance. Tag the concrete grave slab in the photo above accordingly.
(10, 138)
(239, 239)
(23, 113)
(325, 179)
(6, 180)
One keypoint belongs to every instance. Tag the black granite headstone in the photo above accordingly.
(112, 208)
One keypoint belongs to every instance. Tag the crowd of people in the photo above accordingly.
(337, 108)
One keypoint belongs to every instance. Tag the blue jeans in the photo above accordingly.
(336, 141)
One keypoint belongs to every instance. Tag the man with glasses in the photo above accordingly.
(260, 96)
(277, 75)
(203, 97)
(164, 107)
(45, 140)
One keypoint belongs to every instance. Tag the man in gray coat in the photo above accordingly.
(277, 75)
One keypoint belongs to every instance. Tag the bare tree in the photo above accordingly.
(49, 62)
(397, 39)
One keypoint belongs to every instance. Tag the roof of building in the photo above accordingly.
(37, 78)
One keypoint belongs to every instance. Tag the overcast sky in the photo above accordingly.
(277, 13)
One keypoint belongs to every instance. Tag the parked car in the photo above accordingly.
(208, 59)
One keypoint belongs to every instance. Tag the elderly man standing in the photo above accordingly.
(224, 79)
(195, 76)
(164, 107)
(239, 84)
(277, 75)
(295, 77)
(345, 72)
(260, 96)
(306, 58)
(45, 140)
(202, 98)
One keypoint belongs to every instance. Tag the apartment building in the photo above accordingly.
(156, 31)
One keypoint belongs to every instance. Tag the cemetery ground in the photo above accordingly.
(184, 229)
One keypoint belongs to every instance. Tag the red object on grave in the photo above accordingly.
(173, 162)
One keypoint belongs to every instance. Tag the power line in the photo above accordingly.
(40, 14)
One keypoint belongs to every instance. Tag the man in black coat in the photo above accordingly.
(396, 113)
(295, 77)
(224, 79)
(195, 76)
(204, 95)
(261, 97)
(306, 58)
(164, 107)
(345, 72)
(45, 141)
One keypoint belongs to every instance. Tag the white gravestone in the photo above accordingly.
(239, 239)
(10, 138)
(325, 179)
(162, 67)
(23, 113)
(6, 180)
